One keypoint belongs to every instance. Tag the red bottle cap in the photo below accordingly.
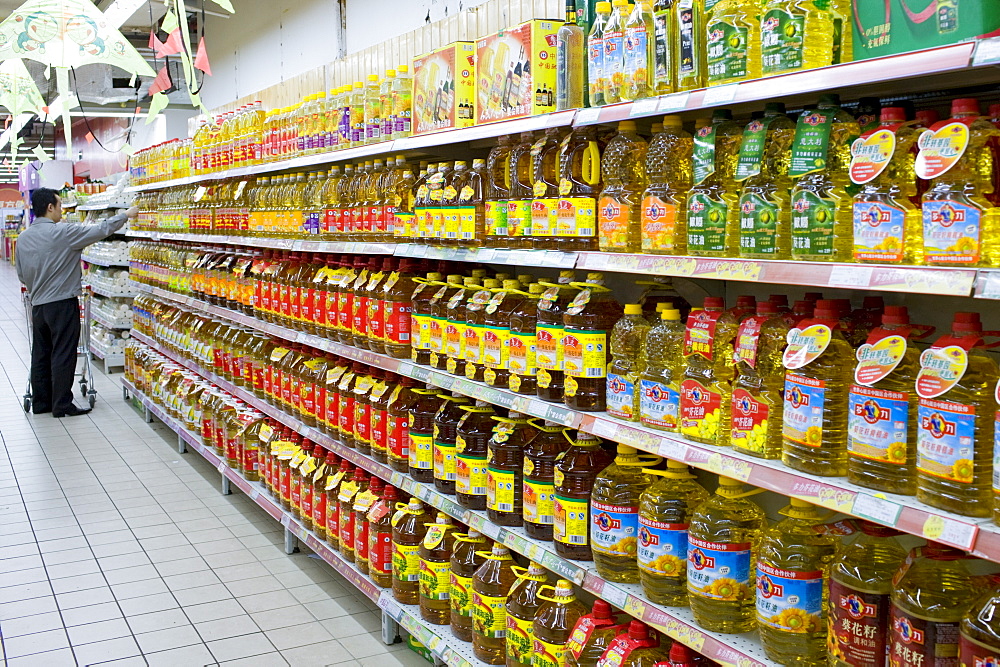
(965, 105)
(896, 315)
(638, 630)
(745, 301)
(827, 309)
(966, 323)
(714, 302)
(602, 609)
(893, 115)
(767, 308)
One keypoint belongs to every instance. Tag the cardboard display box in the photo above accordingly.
(516, 71)
(444, 83)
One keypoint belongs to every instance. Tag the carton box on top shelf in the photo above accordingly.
(882, 29)
(444, 83)
(516, 71)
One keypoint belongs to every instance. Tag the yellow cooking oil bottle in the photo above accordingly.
(663, 217)
(665, 511)
(627, 338)
(522, 605)
(466, 557)
(882, 407)
(795, 36)
(614, 515)
(733, 42)
(793, 571)
(818, 360)
(592, 634)
(435, 571)
(491, 584)
(933, 592)
(706, 389)
(620, 203)
(723, 541)
(822, 197)
(554, 622)
(955, 386)
(888, 228)
(660, 379)
(979, 641)
(858, 603)
(762, 167)
(689, 43)
(961, 224)
(712, 205)
(757, 407)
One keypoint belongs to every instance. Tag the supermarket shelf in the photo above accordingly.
(103, 290)
(103, 262)
(450, 650)
(363, 248)
(737, 649)
(114, 359)
(109, 323)
(978, 536)
(550, 258)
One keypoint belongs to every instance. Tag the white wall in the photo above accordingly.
(372, 21)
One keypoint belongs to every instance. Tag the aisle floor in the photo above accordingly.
(117, 550)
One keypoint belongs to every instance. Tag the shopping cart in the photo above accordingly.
(86, 381)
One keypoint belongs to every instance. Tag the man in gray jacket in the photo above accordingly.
(48, 264)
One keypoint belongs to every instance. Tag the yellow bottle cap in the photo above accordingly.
(633, 309)
(511, 284)
(673, 315)
(491, 283)
(402, 68)
(672, 121)
(358, 85)
(373, 77)
(626, 126)
(536, 288)
(662, 306)
(603, 8)
(390, 72)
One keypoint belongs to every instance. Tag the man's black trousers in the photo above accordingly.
(56, 335)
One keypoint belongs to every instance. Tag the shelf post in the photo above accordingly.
(390, 630)
(181, 445)
(291, 544)
(225, 486)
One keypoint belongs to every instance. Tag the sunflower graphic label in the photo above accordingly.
(663, 548)
(620, 396)
(614, 529)
(790, 600)
(952, 232)
(659, 405)
(718, 571)
(613, 221)
(802, 418)
(941, 147)
(946, 436)
(877, 422)
(917, 642)
(857, 625)
(659, 223)
(549, 346)
(878, 232)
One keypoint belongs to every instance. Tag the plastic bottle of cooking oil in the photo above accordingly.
(723, 541)
(497, 192)
(522, 604)
(822, 197)
(712, 205)
(590, 637)
(689, 43)
(573, 479)
(596, 73)
(435, 571)
(887, 226)
(620, 204)
(540, 456)
(623, 372)
(733, 42)
(408, 530)
(956, 158)
(793, 568)
(882, 408)
(795, 36)
(955, 386)
(762, 167)
(668, 169)
(614, 515)
(858, 606)
(465, 560)
(818, 361)
(638, 646)
(491, 585)
(933, 593)
(979, 642)
(549, 333)
(613, 39)
(586, 324)
(706, 390)
(579, 185)
(554, 622)
(640, 44)
(665, 510)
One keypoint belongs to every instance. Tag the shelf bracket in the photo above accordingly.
(226, 490)
(181, 445)
(390, 630)
(291, 544)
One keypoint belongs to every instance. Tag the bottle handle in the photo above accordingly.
(539, 595)
(592, 164)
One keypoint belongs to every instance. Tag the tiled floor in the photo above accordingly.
(116, 550)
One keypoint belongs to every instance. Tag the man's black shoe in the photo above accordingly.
(40, 410)
(72, 412)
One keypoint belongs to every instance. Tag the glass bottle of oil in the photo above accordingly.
(712, 205)
(818, 360)
(733, 42)
(549, 334)
(445, 422)
(723, 541)
(540, 456)
(554, 622)
(706, 390)
(861, 580)
(955, 386)
(472, 446)
(522, 605)
(505, 468)
(614, 515)
(620, 203)
(573, 479)
(591, 636)
(668, 169)
(497, 192)
(586, 324)
(979, 642)
(380, 538)
(491, 585)
(689, 43)
(933, 593)
(793, 568)
(408, 530)
(421, 430)
(466, 557)
(435, 571)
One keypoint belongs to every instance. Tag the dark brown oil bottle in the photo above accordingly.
(587, 325)
(505, 468)
(496, 334)
(522, 344)
(540, 457)
(522, 604)
(445, 424)
(438, 322)
(491, 585)
(466, 557)
(423, 294)
(473, 437)
(422, 433)
(408, 530)
(549, 332)
(575, 473)
(401, 401)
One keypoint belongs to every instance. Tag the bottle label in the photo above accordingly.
(703, 157)
(663, 547)
(811, 143)
(519, 218)
(435, 580)
(877, 360)
(520, 639)
(941, 368)
(522, 351)
(613, 219)
(952, 232)
(467, 223)
(782, 42)
(461, 595)
(595, 66)
(878, 232)
(471, 478)
(719, 571)
(941, 148)
(380, 551)
(659, 225)
(917, 642)
(877, 422)
(790, 600)
(454, 340)
(621, 397)
(806, 345)
(858, 623)
(550, 351)
(813, 219)
(548, 655)
(870, 155)
(659, 405)
(637, 65)
(614, 529)
(496, 218)
(538, 501)
(946, 437)
(803, 411)
(496, 349)
(571, 519)
(750, 421)
(444, 461)
(976, 654)
(474, 342)
(397, 322)
(489, 615)
(727, 51)
(747, 338)
(699, 334)
(585, 354)
(500, 490)
(405, 562)
(752, 146)
(543, 215)
(576, 217)
(701, 409)
(397, 437)
(706, 218)
(687, 62)
(421, 451)
(758, 225)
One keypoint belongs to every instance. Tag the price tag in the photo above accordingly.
(614, 595)
(988, 286)
(587, 116)
(987, 52)
(675, 102)
(943, 529)
(877, 509)
(850, 276)
(634, 607)
(492, 531)
(222, 466)
(604, 428)
(535, 552)
(286, 520)
(486, 255)
(720, 94)
(672, 449)
(644, 107)
(199, 193)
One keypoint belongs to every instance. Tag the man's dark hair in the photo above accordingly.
(40, 200)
